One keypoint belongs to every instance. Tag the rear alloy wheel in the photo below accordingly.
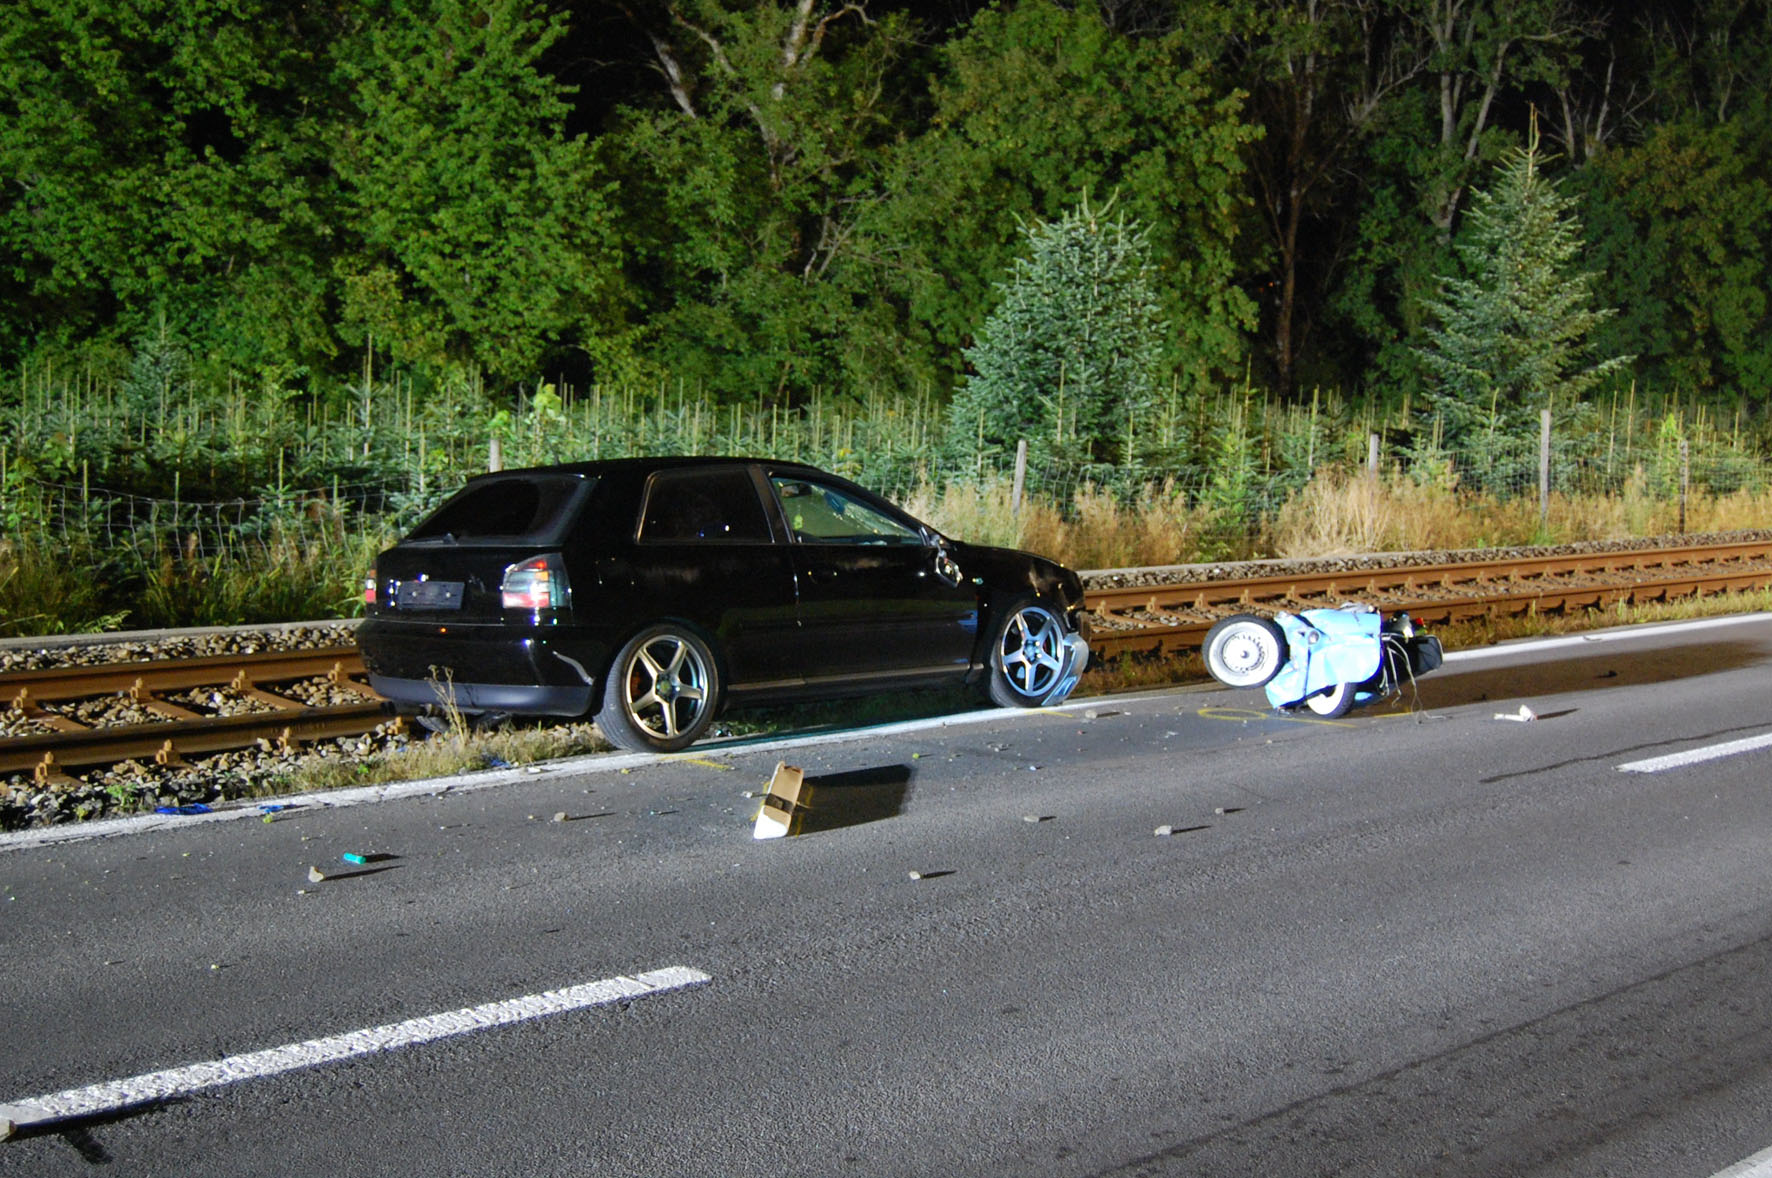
(1332, 701)
(1027, 655)
(662, 692)
(1244, 650)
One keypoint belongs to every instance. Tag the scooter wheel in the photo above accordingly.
(1244, 650)
(1332, 701)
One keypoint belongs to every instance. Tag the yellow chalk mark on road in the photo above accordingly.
(1244, 715)
(703, 761)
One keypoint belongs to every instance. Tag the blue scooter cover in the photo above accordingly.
(1326, 647)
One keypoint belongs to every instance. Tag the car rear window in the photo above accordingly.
(699, 506)
(528, 509)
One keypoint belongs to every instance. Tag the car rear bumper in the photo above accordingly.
(478, 668)
(523, 699)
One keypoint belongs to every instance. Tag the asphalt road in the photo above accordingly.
(1424, 941)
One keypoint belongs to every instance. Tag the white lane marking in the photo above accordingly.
(1758, 1166)
(1698, 756)
(1648, 631)
(157, 1086)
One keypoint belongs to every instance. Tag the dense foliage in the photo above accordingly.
(274, 276)
(766, 198)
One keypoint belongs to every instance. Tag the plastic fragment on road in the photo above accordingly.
(1525, 715)
(785, 804)
(187, 811)
(353, 857)
(1164, 832)
(315, 875)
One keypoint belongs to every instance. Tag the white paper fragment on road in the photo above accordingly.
(1164, 832)
(1525, 715)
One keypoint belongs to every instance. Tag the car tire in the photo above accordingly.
(1332, 701)
(662, 691)
(1026, 654)
(1245, 650)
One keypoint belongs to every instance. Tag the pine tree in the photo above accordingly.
(1513, 334)
(1068, 359)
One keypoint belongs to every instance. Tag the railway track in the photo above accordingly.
(59, 721)
(73, 718)
(1174, 618)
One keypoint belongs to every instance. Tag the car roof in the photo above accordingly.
(612, 466)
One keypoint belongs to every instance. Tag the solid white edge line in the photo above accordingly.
(19, 840)
(1746, 744)
(1651, 630)
(1758, 1166)
(174, 1082)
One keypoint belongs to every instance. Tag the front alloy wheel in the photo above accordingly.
(1027, 656)
(662, 691)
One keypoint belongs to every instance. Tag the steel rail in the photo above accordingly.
(183, 732)
(1175, 618)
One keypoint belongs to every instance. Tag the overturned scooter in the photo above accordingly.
(1328, 660)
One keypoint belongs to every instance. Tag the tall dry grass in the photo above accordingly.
(1161, 528)
(1340, 512)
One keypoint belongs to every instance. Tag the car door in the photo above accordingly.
(705, 552)
(878, 597)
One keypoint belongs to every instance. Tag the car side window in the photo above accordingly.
(821, 514)
(703, 506)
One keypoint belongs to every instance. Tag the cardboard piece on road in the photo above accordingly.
(784, 806)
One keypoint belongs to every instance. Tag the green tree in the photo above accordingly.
(1068, 359)
(1037, 102)
(744, 182)
(1512, 335)
(160, 163)
(1687, 251)
(484, 236)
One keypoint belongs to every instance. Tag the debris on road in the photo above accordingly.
(315, 875)
(784, 805)
(1164, 832)
(1525, 715)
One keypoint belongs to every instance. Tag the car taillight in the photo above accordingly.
(537, 583)
(369, 590)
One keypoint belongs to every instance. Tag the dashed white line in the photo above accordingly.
(1699, 755)
(156, 1086)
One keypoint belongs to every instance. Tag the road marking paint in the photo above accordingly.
(687, 759)
(1758, 1166)
(1244, 715)
(174, 1082)
(1649, 631)
(1697, 756)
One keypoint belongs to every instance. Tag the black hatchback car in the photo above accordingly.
(654, 593)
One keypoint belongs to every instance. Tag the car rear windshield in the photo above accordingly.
(523, 509)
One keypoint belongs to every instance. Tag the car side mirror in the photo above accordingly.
(945, 566)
